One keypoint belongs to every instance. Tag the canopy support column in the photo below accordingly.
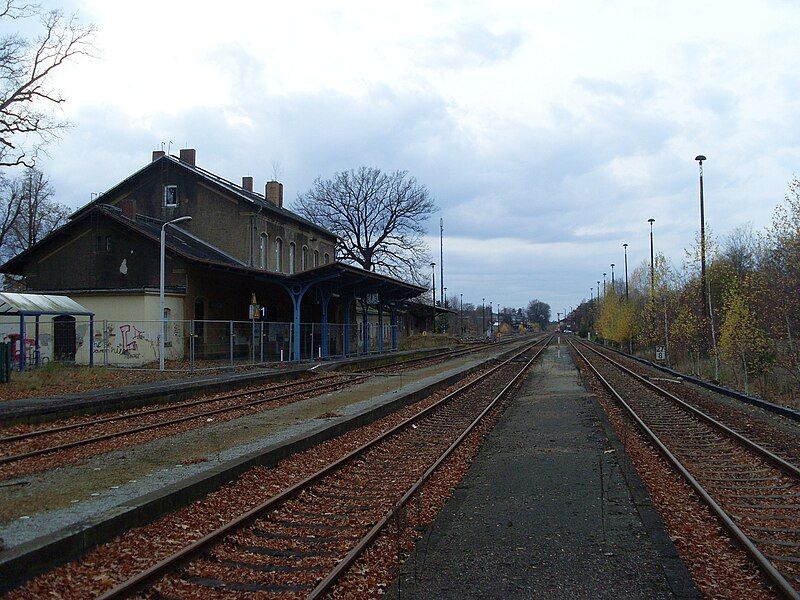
(325, 298)
(393, 325)
(380, 327)
(37, 360)
(21, 343)
(348, 302)
(365, 321)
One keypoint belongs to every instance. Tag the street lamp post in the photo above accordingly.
(444, 303)
(483, 317)
(604, 286)
(652, 263)
(591, 295)
(433, 287)
(625, 246)
(703, 290)
(461, 317)
(613, 288)
(598, 290)
(161, 288)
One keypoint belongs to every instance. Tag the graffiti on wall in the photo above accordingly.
(136, 342)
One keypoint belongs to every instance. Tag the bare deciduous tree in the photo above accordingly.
(28, 212)
(27, 120)
(379, 218)
(9, 211)
(39, 214)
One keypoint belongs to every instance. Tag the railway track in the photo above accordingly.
(299, 542)
(753, 492)
(20, 447)
(435, 358)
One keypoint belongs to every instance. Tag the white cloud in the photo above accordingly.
(548, 133)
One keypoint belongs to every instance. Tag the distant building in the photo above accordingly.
(239, 245)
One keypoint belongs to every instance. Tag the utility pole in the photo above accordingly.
(461, 317)
(625, 246)
(483, 317)
(433, 287)
(652, 264)
(441, 260)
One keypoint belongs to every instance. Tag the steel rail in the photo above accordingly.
(784, 411)
(739, 536)
(448, 354)
(104, 437)
(191, 551)
(225, 396)
(159, 409)
(109, 436)
(784, 465)
(333, 576)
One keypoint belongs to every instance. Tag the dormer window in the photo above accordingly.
(170, 195)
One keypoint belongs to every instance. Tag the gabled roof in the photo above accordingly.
(254, 198)
(178, 240)
(342, 278)
(39, 304)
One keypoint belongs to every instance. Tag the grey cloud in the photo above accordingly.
(467, 45)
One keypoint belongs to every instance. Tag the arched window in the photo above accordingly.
(279, 255)
(327, 258)
(316, 258)
(304, 258)
(263, 245)
(291, 258)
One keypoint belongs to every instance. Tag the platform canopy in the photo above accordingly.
(39, 304)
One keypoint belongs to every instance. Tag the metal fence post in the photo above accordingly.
(191, 345)
(231, 336)
(261, 339)
(105, 343)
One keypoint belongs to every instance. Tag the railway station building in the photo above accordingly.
(244, 276)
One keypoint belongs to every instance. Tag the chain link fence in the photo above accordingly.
(188, 345)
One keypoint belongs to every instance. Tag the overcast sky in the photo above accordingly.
(547, 132)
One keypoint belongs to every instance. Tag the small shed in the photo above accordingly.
(37, 305)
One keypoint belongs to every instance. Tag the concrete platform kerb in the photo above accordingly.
(28, 559)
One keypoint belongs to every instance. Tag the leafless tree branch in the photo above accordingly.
(27, 120)
(379, 218)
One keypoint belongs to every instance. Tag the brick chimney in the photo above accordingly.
(158, 154)
(129, 208)
(274, 193)
(247, 184)
(188, 155)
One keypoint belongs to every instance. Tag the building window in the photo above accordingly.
(170, 195)
(279, 255)
(327, 258)
(316, 258)
(291, 258)
(304, 258)
(102, 244)
(262, 250)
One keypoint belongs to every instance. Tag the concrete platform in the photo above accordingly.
(48, 517)
(551, 507)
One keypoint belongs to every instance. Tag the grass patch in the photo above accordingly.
(421, 342)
